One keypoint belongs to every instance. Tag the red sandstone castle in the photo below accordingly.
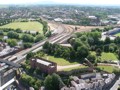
(44, 65)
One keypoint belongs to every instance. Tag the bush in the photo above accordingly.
(27, 38)
(27, 45)
(30, 81)
(13, 35)
(12, 42)
(18, 30)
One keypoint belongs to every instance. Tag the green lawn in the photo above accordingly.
(73, 68)
(106, 56)
(59, 61)
(118, 34)
(107, 68)
(31, 26)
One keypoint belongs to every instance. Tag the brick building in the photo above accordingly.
(44, 65)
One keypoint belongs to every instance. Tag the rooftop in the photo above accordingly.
(43, 62)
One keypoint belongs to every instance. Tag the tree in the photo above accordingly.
(106, 48)
(118, 53)
(90, 40)
(18, 30)
(27, 38)
(77, 43)
(12, 34)
(12, 42)
(48, 34)
(91, 58)
(29, 55)
(82, 52)
(39, 38)
(58, 51)
(83, 38)
(66, 53)
(107, 40)
(53, 82)
(46, 45)
(72, 53)
(117, 40)
(95, 35)
(98, 52)
(1, 32)
(27, 45)
(112, 47)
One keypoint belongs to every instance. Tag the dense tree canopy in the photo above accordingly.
(53, 82)
(12, 42)
(27, 38)
(12, 34)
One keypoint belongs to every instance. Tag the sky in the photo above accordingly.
(84, 2)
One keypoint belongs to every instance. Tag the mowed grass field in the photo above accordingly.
(109, 69)
(107, 56)
(118, 34)
(27, 26)
(59, 61)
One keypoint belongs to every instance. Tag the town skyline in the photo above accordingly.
(65, 2)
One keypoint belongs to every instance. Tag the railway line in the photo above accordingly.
(64, 33)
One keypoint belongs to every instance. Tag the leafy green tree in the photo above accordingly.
(39, 38)
(77, 43)
(117, 40)
(46, 45)
(12, 34)
(12, 42)
(66, 53)
(107, 40)
(53, 82)
(30, 55)
(1, 32)
(72, 54)
(98, 52)
(113, 47)
(118, 53)
(106, 48)
(58, 52)
(90, 41)
(18, 30)
(82, 52)
(83, 38)
(95, 35)
(91, 58)
(27, 38)
(27, 45)
(48, 34)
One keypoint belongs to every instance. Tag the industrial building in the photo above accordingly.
(44, 65)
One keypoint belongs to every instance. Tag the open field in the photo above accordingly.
(118, 34)
(59, 61)
(106, 56)
(85, 28)
(109, 69)
(73, 68)
(27, 26)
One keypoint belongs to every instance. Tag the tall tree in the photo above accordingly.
(53, 82)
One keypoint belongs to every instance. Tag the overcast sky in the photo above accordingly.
(87, 2)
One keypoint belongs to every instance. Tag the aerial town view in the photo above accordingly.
(59, 45)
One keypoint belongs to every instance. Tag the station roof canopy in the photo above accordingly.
(10, 63)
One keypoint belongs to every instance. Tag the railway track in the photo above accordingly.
(65, 33)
